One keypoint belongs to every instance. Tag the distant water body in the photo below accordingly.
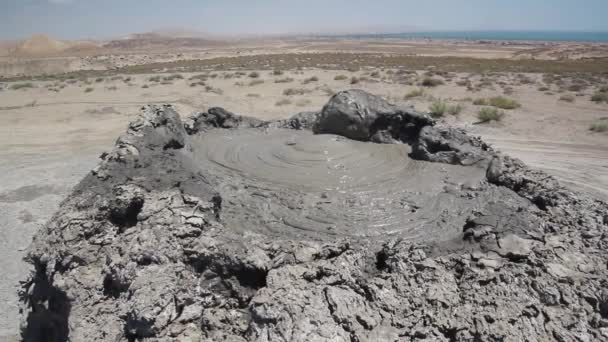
(552, 36)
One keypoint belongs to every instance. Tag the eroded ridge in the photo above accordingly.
(230, 228)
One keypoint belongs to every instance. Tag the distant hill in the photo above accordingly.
(41, 45)
(160, 40)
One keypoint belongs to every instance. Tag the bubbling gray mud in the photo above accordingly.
(295, 184)
(228, 228)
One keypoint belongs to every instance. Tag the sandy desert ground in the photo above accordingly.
(54, 128)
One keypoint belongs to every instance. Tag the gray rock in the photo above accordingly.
(359, 115)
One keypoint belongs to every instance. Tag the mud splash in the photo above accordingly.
(231, 228)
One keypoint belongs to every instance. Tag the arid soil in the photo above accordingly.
(54, 129)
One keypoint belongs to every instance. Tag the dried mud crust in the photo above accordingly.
(148, 246)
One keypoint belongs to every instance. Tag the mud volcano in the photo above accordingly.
(362, 222)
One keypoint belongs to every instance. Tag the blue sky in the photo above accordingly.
(110, 18)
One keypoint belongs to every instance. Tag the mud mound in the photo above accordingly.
(230, 228)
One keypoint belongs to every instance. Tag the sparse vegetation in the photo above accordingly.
(498, 102)
(283, 102)
(327, 90)
(26, 85)
(173, 77)
(481, 102)
(284, 80)
(254, 74)
(375, 74)
(311, 79)
(599, 127)
(567, 98)
(99, 80)
(504, 102)
(303, 102)
(201, 77)
(295, 91)
(600, 96)
(277, 72)
(488, 114)
(154, 79)
(145, 86)
(414, 93)
(211, 89)
(354, 80)
(438, 108)
(455, 109)
(88, 90)
(431, 82)
(199, 83)
(256, 82)
(253, 95)
(340, 78)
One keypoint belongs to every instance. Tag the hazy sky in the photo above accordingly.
(110, 18)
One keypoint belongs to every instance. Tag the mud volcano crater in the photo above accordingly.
(362, 222)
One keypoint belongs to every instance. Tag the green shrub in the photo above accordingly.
(487, 114)
(284, 80)
(201, 77)
(18, 86)
(211, 89)
(481, 102)
(199, 83)
(414, 93)
(498, 101)
(566, 98)
(599, 127)
(504, 102)
(311, 79)
(431, 82)
(340, 77)
(303, 102)
(455, 109)
(283, 102)
(295, 91)
(600, 97)
(255, 82)
(173, 77)
(438, 108)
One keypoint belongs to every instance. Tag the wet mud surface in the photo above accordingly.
(362, 222)
(294, 184)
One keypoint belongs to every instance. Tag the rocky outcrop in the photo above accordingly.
(358, 115)
(141, 250)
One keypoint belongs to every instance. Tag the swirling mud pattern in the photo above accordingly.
(293, 183)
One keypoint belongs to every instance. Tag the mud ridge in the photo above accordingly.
(362, 222)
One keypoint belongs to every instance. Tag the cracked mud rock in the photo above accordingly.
(228, 228)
